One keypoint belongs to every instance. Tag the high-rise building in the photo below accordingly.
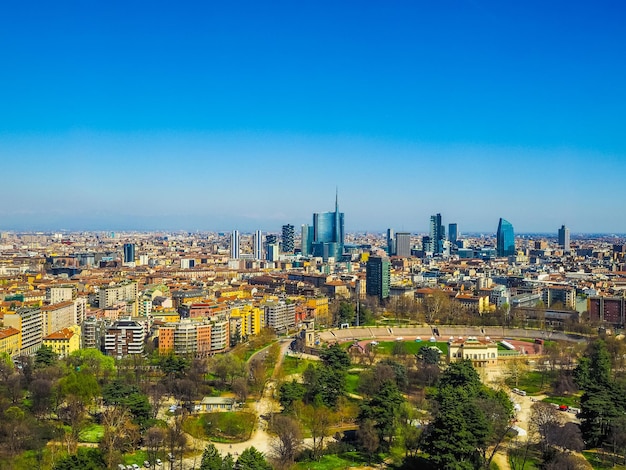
(271, 252)
(129, 252)
(306, 237)
(403, 244)
(427, 245)
(234, 244)
(257, 245)
(453, 233)
(124, 337)
(391, 242)
(505, 239)
(564, 238)
(328, 234)
(437, 234)
(288, 238)
(378, 277)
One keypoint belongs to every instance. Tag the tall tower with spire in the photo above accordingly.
(328, 233)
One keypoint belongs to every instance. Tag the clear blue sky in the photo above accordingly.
(224, 115)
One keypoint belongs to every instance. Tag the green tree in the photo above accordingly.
(84, 459)
(93, 361)
(252, 459)
(429, 355)
(289, 393)
(45, 357)
(470, 421)
(211, 459)
(346, 313)
(460, 374)
(383, 409)
(594, 367)
(335, 357)
(174, 366)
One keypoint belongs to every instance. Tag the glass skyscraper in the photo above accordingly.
(505, 239)
(437, 233)
(564, 238)
(452, 233)
(378, 276)
(129, 252)
(328, 234)
(234, 244)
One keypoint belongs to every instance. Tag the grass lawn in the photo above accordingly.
(601, 460)
(352, 382)
(411, 347)
(227, 427)
(571, 400)
(333, 461)
(293, 365)
(92, 433)
(533, 383)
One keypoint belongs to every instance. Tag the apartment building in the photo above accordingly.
(29, 321)
(563, 294)
(123, 338)
(279, 315)
(58, 316)
(122, 293)
(185, 338)
(58, 294)
(10, 341)
(63, 342)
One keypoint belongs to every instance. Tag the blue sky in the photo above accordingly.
(223, 115)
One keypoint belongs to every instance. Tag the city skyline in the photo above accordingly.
(215, 117)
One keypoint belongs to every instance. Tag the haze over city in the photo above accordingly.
(249, 116)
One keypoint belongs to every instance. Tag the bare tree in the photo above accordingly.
(318, 420)
(288, 440)
(156, 395)
(120, 434)
(545, 422)
(368, 438)
(516, 367)
(153, 440)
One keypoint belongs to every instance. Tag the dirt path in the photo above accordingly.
(260, 439)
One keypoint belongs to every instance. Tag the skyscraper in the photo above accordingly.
(403, 244)
(437, 234)
(564, 238)
(306, 237)
(257, 245)
(452, 233)
(234, 244)
(129, 252)
(328, 234)
(505, 239)
(378, 277)
(288, 238)
(391, 242)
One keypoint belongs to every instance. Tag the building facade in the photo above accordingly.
(403, 244)
(378, 277)
(123, 338)
(328, 234)
(129, 252)
(234, 244)
(505, 239)
(564, 238)
(288, 238)
(29, 321)
(437, 234)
